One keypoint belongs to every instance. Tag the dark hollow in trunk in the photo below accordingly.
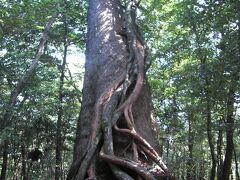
(116, 136)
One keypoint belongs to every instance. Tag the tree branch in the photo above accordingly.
(5, 121)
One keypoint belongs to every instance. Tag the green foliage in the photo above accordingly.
(35, 115)
(195, 50)
(195, 47)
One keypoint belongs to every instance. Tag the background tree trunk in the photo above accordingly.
(100, 152)
(227, 164)
(210, 139)
(219, 152)
(59, 140)
(236, 164)
(190, 164)
(5, 161)
(207, 96)
(24, 160)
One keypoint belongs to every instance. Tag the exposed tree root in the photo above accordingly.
(136, 167)
(86, 162)
(146, 147)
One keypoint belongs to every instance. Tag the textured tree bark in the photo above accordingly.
(190, 164)
(116, 136)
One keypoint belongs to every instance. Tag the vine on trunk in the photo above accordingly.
(115, 102)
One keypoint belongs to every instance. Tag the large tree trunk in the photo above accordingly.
(116, 134)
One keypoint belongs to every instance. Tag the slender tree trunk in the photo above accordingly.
(15, 160)
(207, 97)
(24, 165)
(59, 141)
(202, 171)
(238, 59)
(116, 129)
(219, 153)
(227, 164)
(6, 120)
(5, 161)
(210, 141)
(208, 102)
(168, 145)
(236, 165)
(190, 168)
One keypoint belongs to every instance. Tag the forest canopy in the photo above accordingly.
(194, 46)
